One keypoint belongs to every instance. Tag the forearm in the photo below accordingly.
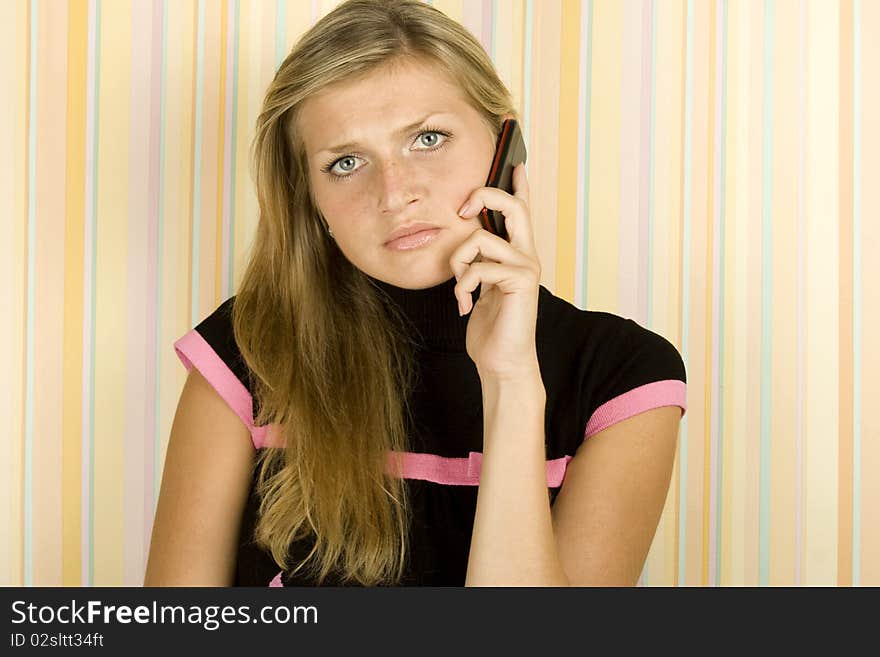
(513, 542)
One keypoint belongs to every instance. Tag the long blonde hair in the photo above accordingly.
(331, 366)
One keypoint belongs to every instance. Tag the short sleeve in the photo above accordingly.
(636, 370)
(210, 347)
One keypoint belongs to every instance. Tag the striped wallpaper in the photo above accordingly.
(701, 166)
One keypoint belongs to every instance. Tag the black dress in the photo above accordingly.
(597, 368)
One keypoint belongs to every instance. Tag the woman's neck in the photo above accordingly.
(432, 312)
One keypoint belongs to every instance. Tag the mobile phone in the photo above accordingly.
(509, 151)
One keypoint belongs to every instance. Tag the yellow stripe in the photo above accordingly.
(568, 179)
(783, 428)
(77, 55)
(210, 155)
(604, 210)
(324, 7)
(299, 16)
(544, 162)
(452, 8)
(697, 325)
(111, 294)
(191, 189)
(676, 280)
(752, 327)
(244, 190)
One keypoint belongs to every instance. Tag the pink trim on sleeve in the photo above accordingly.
(276, 581)
(671, 392)
(457, 471)
(193, 350)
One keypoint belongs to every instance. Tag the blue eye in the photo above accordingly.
(433, 148)
(346, 159)
(427, 132)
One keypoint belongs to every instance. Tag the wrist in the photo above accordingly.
(522, 375)
(523, 385)
(514, 411)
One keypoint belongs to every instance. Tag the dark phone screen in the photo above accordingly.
(509, 151)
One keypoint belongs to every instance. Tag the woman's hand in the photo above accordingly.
(501, 328)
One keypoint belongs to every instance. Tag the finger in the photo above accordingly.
(516, 213)
(521, 183)
(482, 246)
(507, 278)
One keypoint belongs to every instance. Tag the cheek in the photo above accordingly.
(452, 183)
(334, 202)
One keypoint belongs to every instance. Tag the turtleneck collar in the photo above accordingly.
(432, 312)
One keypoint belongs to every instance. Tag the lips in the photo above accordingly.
(413, 240)
(409, 229)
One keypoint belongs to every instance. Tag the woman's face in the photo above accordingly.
(395, 169)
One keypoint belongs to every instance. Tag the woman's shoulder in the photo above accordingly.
(611, 366)
(603, 338)
(210, 347)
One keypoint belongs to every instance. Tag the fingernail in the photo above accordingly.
(464, 209)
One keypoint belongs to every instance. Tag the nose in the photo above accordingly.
(396, 186)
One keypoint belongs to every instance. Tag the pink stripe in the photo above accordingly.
(671, 392)
(194, 351)
(486, 26)
(276, 581)
(456, 471)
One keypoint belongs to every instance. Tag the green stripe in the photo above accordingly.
(280, 31)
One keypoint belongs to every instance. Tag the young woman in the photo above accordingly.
(392, 397)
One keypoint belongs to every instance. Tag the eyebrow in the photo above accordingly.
(353, 145)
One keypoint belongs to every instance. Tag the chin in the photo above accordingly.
(419, 278)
